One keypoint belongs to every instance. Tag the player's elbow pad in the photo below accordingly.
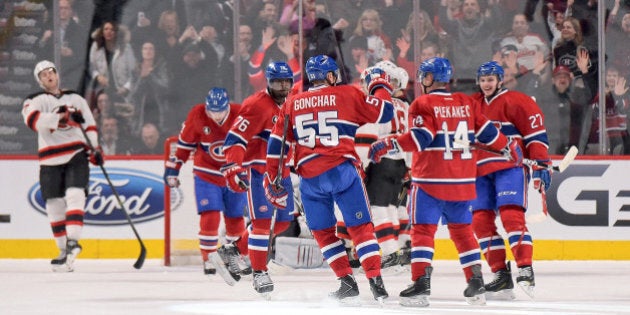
(388, 112)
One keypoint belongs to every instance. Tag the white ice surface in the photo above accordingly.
(114, 287)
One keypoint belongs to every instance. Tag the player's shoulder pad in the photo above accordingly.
(69, 92)
(34, 95)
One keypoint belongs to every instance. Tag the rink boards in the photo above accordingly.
(589, 212)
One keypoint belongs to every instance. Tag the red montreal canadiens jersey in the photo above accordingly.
(246, 143)
(442, 168)
(322, 124)
(518, 117)
(205, 137)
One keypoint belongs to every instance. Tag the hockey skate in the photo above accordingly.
(525, 280)
(225, 260)
(405, 255)
(500, 288)
(348, 292)
(474, 293)
(262, 283)
(378, 289)
(390, 264)
(208, 268)
(65, 261)
(231, 256)
(59, 264)
(417, 294)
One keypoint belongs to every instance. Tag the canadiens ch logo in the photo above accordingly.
(274, 119)
(418, 121)
(206, 130)
(215, 150)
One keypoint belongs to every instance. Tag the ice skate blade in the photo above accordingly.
(265, 289)
(266, 295)
(393, 270)
(350, 301)
(479, 299)
(502, 295)
(72, 256)
(221, 268)
(62, 268)
(527, 288)
(415, 301)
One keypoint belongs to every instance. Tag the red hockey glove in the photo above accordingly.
(277, 195)
(171, 172)
(513, 152)
(235, 177)
(96, 156)
(377, 78)
(383, 147)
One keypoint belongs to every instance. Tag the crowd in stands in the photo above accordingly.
(146, 63)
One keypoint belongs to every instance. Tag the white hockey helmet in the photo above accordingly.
(364, 73)
(41, 66)
(401, 76)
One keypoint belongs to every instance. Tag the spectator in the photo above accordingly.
(266, 16)
(566, 51)
(149, 90)
(527, 44)
(150, 141)
(370, 26)
(185, 91)
(73, 47)
(472, 37)
(112, 142)
(556, 104)
(245, 51)
(617, 105)
(277, 45)
(112, 61)
(167, 39)
(358, 59)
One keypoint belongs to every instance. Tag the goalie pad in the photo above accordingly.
(298, 253)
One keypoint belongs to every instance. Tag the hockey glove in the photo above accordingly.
(171, 172)
(66, 116)
(96, 156)
(542, 178)
(377, 78)
(235, 177)
(513, 152)
(383, 147)
(276, 194)
(77, 117)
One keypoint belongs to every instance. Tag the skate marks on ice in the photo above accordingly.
(113, 287)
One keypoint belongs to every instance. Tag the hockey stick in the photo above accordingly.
(143, 250)
(564, 163)
(277, 182)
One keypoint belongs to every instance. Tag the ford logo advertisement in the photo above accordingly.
(141, 193)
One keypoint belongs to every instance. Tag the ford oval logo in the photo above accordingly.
(141, 193)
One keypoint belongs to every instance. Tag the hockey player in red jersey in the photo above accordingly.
(443, 176)
(502, 186)
(57, 116)
(202, 135)
(321, 124)
(245, 150)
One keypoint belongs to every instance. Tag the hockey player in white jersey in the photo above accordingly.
(384, 180)
(57, 117)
